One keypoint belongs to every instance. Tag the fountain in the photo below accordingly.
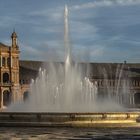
(65, 88)
(63, 96)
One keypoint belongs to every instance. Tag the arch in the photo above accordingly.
(5, 77)
(25, 95)
(137, 98)
(6, 98)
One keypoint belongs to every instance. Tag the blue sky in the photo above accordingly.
(100, 30)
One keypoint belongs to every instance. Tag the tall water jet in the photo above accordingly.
(66, 38)
(68, 60)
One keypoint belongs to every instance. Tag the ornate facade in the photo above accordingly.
(15, 75)
(9, 72)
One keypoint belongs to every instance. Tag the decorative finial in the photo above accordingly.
(14, 34)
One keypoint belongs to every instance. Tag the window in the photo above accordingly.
(17, 59)
(8, 61)
(5, 78)
(6, 98)
(3, 61)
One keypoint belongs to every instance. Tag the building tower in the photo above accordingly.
(9, 72)
(14, 39)
(14, 70)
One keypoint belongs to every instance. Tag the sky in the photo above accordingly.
(99, 30)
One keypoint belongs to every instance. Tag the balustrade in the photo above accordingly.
(112, 83)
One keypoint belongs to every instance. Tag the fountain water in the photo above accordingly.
(62, 95)
(119, 89)
(64, 88)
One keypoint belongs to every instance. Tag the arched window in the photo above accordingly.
(25, 95)
(5, 78)
(6, 98)
(3, 61)
(137, 98)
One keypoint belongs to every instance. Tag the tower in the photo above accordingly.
(14, 39)
(9, 72)
(14, 69)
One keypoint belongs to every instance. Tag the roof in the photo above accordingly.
(96, 70)
(32, 65)
(4, 46)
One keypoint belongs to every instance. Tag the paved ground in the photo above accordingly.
(31, 133)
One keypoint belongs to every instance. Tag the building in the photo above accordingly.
(9, 72)
(16, 75)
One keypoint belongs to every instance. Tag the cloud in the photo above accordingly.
(49, 13)
(7, 42)
(82, 30)
(6, 21)
(97, 51)
(29, 52)
(16, 20)
(100, 30)
(47, 51)
(100, 3)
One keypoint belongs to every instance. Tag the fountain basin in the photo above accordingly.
(47, 119)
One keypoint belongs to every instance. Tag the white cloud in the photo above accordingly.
(82, 30)
(82, 27)
(29, 51)
(7, 41)
(13, 20)
(100, 3)
(51, 14)
(97, 51)
(47, 51)
(6, 21)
